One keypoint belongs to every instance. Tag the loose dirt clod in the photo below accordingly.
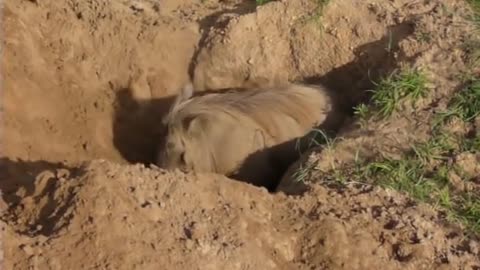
(86, 84)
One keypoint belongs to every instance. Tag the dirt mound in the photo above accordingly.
(87, 81)
(435, 44)
(124, 217)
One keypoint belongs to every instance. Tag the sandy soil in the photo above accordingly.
(109, 216)
(86, 82)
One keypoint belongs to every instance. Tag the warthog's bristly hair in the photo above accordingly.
(218, 132)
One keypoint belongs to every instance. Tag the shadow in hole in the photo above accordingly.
(137, 126)
(265, 168)
(26, 176)
(372, 61)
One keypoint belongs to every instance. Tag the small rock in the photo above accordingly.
(189, 244)
(27, 249)
(62, 173)
(474, 247)
(42, 239)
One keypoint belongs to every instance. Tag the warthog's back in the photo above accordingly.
(283, 113)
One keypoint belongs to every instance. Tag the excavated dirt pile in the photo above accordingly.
(84, 86)
(109, 216)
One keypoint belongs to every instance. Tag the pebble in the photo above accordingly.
(27, 249)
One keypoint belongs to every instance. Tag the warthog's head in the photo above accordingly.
(207, 134)
(172, 151)
(180, 147)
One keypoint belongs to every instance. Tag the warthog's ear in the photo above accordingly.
(195, 125)
(185, 94)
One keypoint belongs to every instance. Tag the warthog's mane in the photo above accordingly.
(303, 103)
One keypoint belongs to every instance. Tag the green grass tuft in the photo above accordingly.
(407, 83)
(315, 138)
(318, 13)
(424, 174)
(468, 211)
(416, 177)
(303, 172)
(465, 104)
(437, 148)
(423, 37)
(471, 144)
(262, 2)
(404, 175)
(361, 111)
(476, 10)
(472, 50)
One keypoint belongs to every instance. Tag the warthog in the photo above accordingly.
(247, 134)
